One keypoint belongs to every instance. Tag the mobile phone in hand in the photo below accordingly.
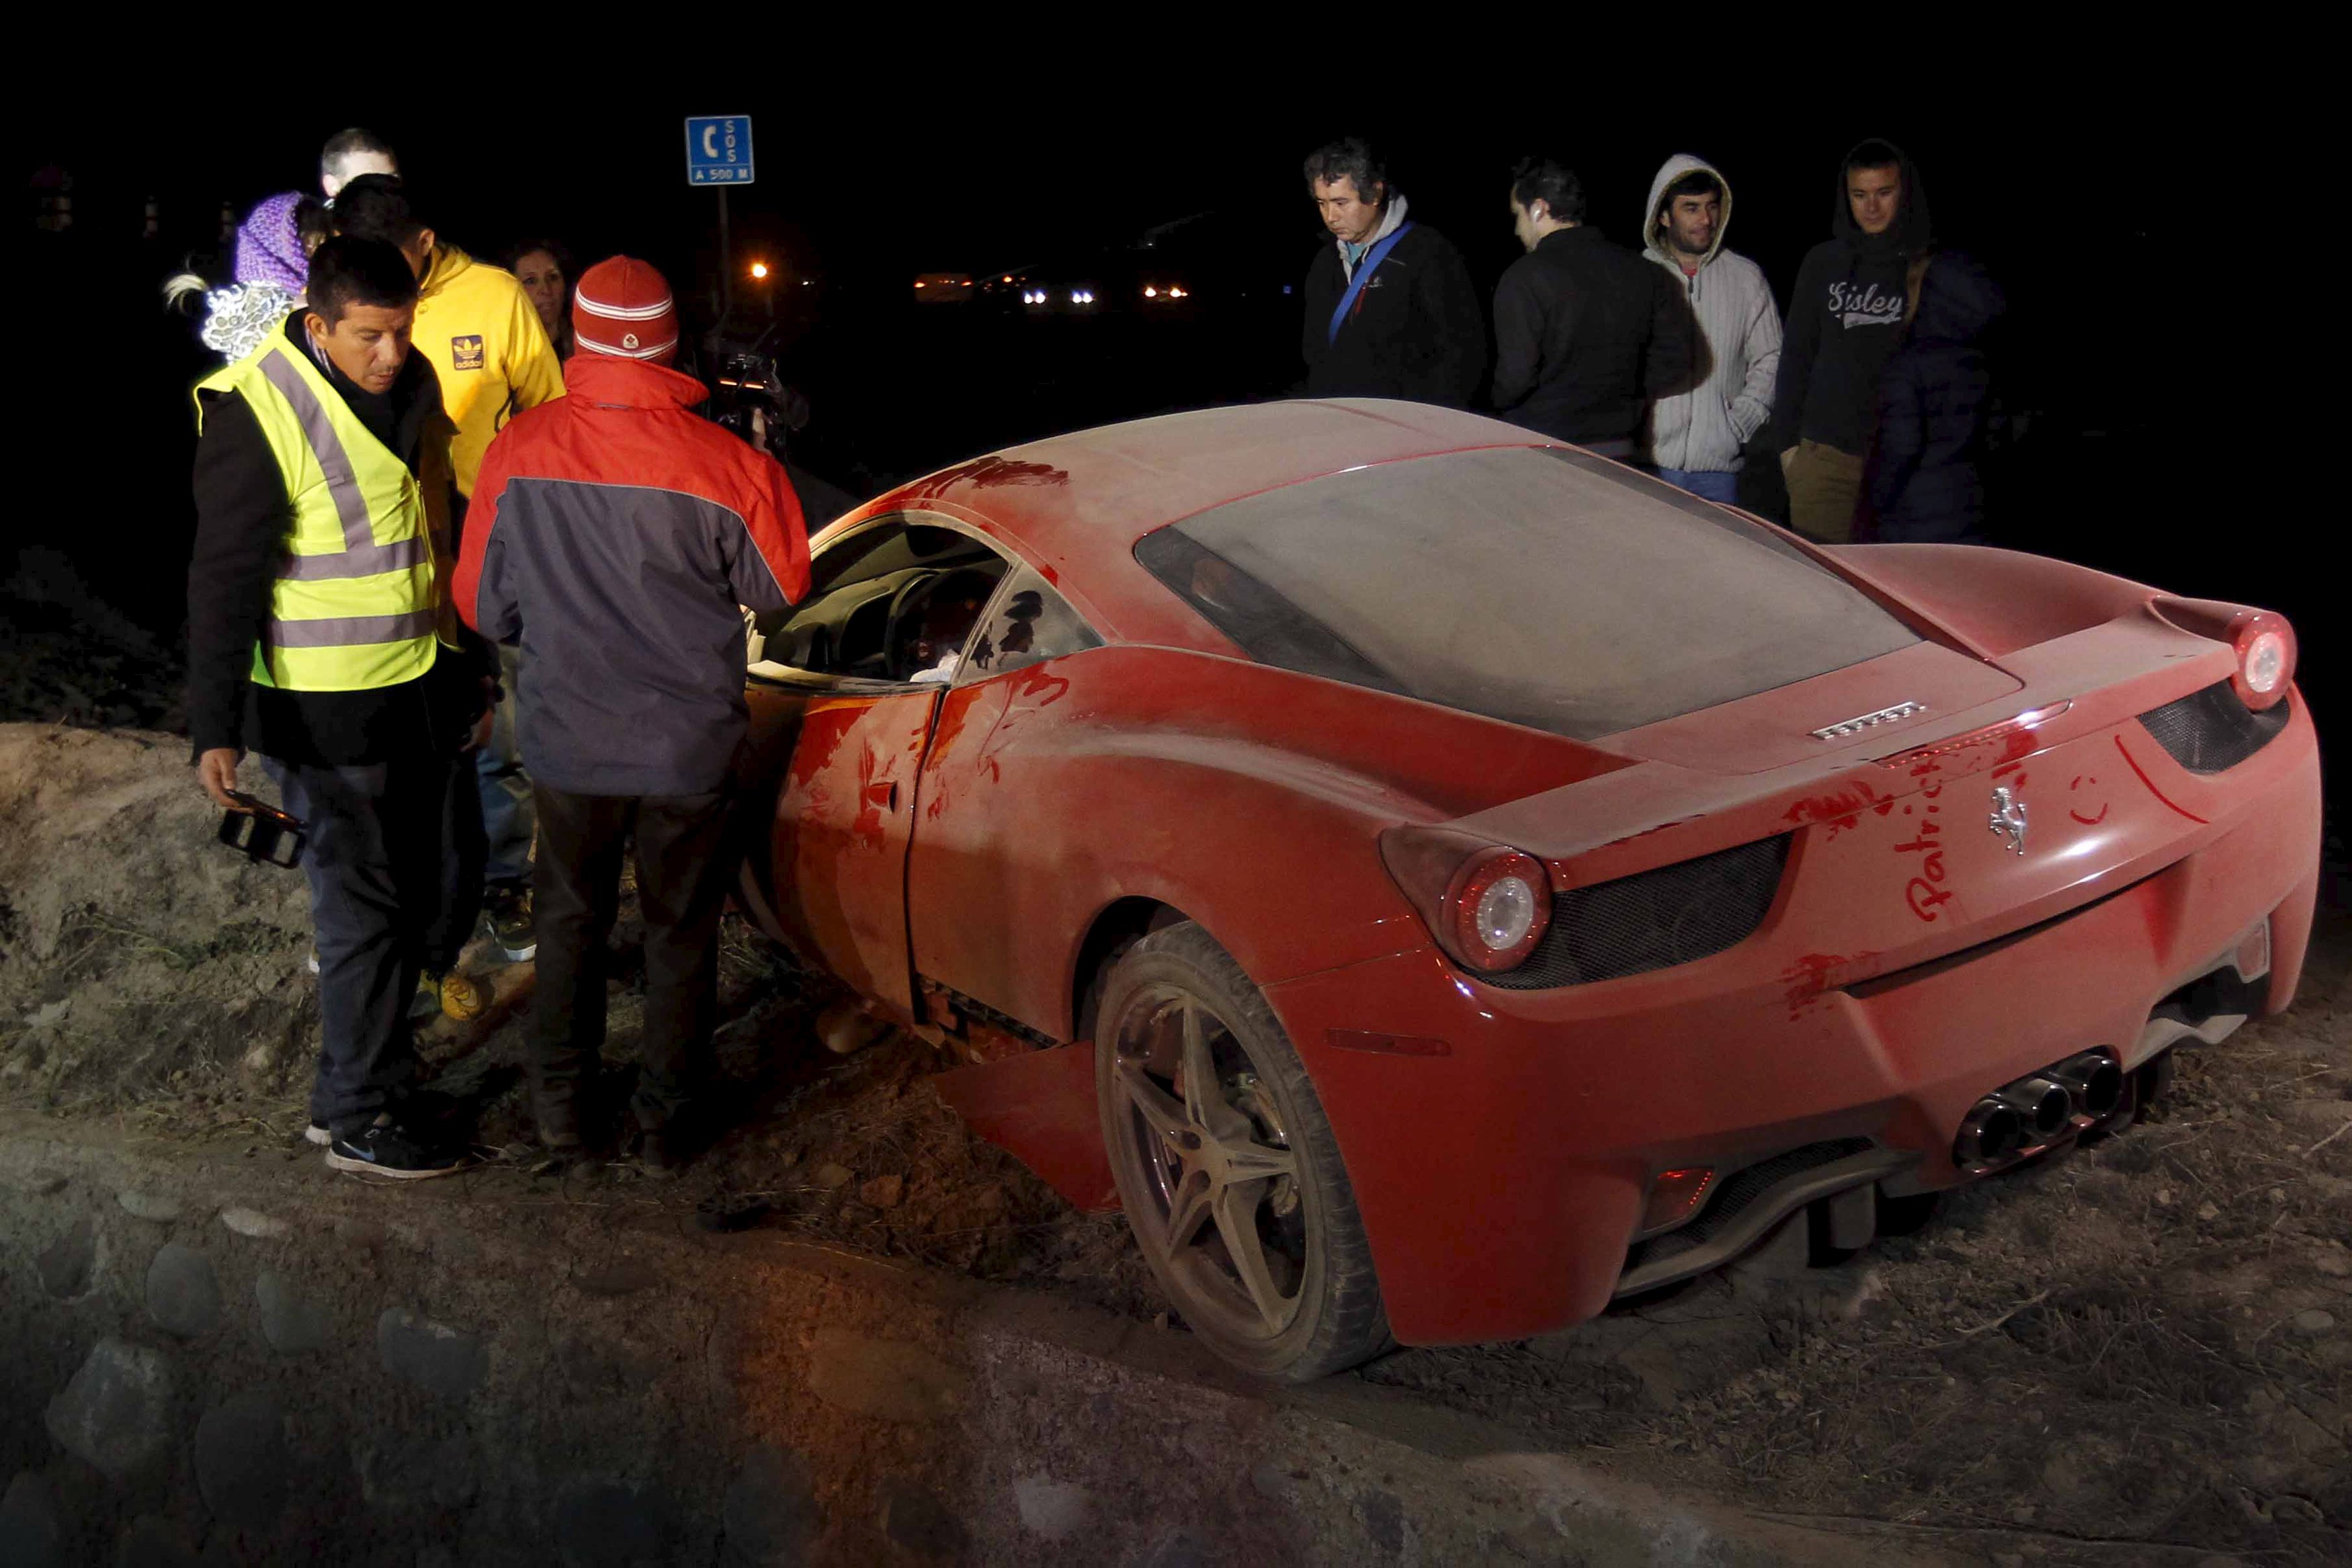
(263, 833)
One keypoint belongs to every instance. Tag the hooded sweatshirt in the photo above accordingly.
(482, 335)
(1845, 316)
(1738, 346)
(1923, 480)
(1415, 330)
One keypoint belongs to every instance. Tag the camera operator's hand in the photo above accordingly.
(217, 771)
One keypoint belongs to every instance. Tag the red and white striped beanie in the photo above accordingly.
(623, 308)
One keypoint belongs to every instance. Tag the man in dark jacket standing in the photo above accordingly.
(615, 534)
(1924, 481)
(1845, 315)
(1390, 311)
(1586, 332)
(319, 635)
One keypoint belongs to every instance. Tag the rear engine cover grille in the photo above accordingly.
(2211, 731)
(1653, 919)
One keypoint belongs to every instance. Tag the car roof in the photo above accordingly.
(1077, 504)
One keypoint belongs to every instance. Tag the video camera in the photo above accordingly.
(749, 396)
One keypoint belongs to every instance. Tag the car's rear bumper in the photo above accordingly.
(1502, 1152)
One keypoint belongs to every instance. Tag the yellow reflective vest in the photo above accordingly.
(477, 326)
(359, 596)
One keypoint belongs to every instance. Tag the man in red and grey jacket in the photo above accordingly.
(615, 534)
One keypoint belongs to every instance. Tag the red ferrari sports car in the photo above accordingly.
(1437, 882)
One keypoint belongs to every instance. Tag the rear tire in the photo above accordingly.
(1241, 1146)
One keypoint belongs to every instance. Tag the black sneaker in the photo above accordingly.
(509, 917)
(385, 1148)
(430, 1105)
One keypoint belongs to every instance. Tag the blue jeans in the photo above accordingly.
(509, 820)
(1707, 483)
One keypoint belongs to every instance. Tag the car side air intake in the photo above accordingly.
(1653, 919)
(2211, 731)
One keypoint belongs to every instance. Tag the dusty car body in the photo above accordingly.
(1439, 881)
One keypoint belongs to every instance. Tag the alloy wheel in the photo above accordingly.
(1197, 1121)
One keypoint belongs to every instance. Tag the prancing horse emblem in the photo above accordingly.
(2008, 816)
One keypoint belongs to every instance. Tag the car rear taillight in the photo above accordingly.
(1499, 908)
(2265, 664)
(2263, 640)
(1488, 904)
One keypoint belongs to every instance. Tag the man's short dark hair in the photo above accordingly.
(1697, 182)
(1873, 155)
(344, 144)
(1552, 183)
(347, 270)
(1350, 158)
(375, 206)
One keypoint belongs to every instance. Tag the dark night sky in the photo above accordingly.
(994, 166)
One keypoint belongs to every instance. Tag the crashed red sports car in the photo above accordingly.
(1437, 882)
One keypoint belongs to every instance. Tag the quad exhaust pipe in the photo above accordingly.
(2095, 1081)
(2045, 1106)
(2029, 1115)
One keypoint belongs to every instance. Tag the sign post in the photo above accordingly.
(719, 152)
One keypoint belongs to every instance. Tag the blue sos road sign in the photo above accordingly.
(718, 150)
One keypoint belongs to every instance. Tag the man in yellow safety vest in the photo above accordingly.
(321, 636)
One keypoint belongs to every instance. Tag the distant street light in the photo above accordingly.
(759, 269)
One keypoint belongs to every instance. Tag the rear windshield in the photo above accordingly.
(1530, 584)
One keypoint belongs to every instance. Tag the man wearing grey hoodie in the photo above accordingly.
(1694, 438)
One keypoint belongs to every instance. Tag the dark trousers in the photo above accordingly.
(393, 859)
(681, 890)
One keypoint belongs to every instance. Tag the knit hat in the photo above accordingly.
(270, 245)
(623, 307)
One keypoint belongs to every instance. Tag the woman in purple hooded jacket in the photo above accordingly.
(273, 267)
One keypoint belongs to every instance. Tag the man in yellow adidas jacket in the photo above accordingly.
(483, 336)
(321, 636)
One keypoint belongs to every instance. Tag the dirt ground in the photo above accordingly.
(2140, 1351)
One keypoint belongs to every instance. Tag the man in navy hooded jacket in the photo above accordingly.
(1846, 316)
(1414, 330)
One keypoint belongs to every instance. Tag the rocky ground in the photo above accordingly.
(2137, 1353)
